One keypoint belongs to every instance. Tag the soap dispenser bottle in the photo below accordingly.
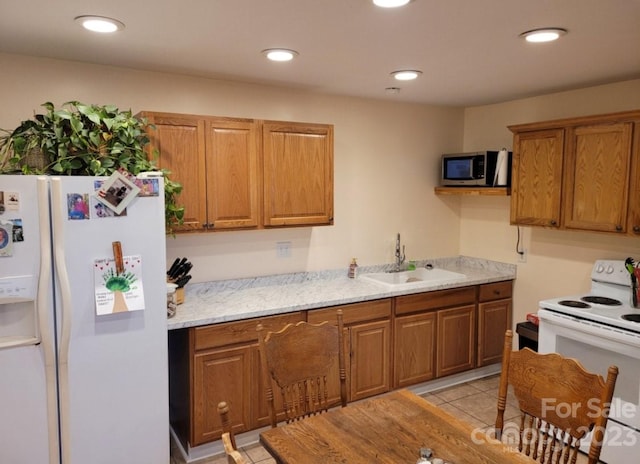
(353, 269)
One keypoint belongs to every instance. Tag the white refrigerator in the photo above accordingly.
(81, 382)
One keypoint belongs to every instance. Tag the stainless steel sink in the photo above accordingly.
(413, 279)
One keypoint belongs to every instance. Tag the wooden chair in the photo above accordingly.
(559, 403)
(305, 361)
(228, 439)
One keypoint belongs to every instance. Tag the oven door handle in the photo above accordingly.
(576, 324)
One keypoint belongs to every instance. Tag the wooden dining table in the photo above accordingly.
(386, 429)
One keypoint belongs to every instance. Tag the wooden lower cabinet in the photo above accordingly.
(456, 340)
(221, 375)
(214, 363)
(370, 354)
(368, 339)
(434, 334)
(389, 343)
(414, 349)
(494, 318)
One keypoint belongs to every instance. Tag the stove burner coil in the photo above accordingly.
(631, 317)
(574, 304)
(603, 300)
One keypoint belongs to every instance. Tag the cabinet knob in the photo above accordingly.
(636, 229)
(619, 228)
(496, 292)
(553, 222)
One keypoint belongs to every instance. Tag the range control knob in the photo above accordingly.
(600, 269)
(609, 269)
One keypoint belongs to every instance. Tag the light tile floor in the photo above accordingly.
(474, 402)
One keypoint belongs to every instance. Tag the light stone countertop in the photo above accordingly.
(233, 300)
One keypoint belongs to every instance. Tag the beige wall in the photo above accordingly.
(386, 165)
(558, 262)
(386, 162)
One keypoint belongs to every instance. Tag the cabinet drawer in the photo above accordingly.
(495, 291)
(435, 300)
(352, 313)
(241, 331)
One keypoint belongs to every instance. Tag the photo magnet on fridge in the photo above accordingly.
(117, 192)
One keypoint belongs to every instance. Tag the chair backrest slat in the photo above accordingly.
(559, 402)
(305, 363)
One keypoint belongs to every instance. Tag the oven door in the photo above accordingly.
(597, 347)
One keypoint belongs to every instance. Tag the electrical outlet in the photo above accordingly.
(283, 249)
(522, 257)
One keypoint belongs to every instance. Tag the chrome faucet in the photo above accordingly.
(400, 256)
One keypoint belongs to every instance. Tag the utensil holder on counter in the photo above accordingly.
(172, 302)
(635, 294)
(178, 294)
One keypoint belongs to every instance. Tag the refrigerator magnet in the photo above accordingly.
(6, 239)
(99, 210)
(78, 206)
(117, 292)
(12, 201)
(17, 231)
(117, 192)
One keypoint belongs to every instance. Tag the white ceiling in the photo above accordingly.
(469, 50)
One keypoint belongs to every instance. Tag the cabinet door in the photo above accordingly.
(370, 355)
(298, 174)
(494, 318)
(597, 177)
(221, 375)
(633, 225)
(456, 340)
(414, 349)
(232, 173)
(180, 141)
(537, 178)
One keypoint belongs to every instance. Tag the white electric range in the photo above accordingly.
(599, 329)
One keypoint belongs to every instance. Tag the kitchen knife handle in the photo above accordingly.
(173, 266)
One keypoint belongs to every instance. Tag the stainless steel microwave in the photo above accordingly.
(467, 169)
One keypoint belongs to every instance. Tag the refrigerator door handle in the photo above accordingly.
(45, 325)
(58, 206)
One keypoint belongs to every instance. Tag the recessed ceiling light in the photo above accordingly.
(280, 54)
(390, 3)
(547, 34)
(100, 24)
(406, 75)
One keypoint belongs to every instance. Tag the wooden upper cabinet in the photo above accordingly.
(633, 220)
(298, 173)
(537, 178)
(232, 177)
(579, 173)
(243, 173)
(597, 177)
(180, 142)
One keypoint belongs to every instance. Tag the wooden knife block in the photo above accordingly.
(180, 295)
